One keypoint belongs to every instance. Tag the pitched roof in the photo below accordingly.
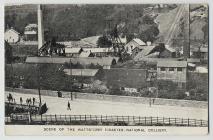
(81, 72)
(72, 50)
(80, 44)
(201, 69)
(11, 29)
(172, 64)
(145, 52)
(31, 26)
(91, 40)
(169, 48)
(103, 61)
(85, 54)
(140, 42)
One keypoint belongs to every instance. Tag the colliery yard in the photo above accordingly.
(110, 64)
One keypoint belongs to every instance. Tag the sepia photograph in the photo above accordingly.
(106, 69)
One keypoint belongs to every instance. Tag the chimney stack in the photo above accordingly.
(186, 48)
(40, 27)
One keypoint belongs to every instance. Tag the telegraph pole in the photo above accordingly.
(39, 89)
(70, 81)
(189, 31)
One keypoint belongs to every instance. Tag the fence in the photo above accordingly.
(104, 120)
(24, 106)
(18, 108)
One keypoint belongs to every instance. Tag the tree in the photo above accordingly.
(149, 34)
(10, 20)
(104, 42)
(147, 20)
(129, 37)
(8, 53)
(51, 77)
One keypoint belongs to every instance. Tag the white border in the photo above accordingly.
(2, 3)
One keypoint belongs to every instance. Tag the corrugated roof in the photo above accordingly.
(172, 64)
(72, 50)
(140, 42)
(81, 72)
(103, 61)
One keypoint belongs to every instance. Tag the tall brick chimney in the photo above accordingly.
(186, 47)
(40, 27)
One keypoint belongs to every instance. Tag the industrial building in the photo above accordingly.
(30, 32)
(175, 71)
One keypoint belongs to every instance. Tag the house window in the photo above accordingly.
(179, 69)
(171, 69)
(162, 69)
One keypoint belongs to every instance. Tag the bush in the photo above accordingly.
(171, 94)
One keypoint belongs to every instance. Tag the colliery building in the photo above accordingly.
(105, 62)
(175, 71)
(30, 32)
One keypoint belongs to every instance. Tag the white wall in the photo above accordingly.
(11, 36)
(128, 46)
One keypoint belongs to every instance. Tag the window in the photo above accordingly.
(179, 69)
(171, 69)
(162, 69)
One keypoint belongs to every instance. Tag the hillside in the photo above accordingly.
(73, 22)
(165, 21)
(171, 22)
(69, 22)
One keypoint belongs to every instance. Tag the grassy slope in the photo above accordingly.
(165, 20)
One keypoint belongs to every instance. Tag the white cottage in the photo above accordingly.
(12, 36)
(130, 46)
